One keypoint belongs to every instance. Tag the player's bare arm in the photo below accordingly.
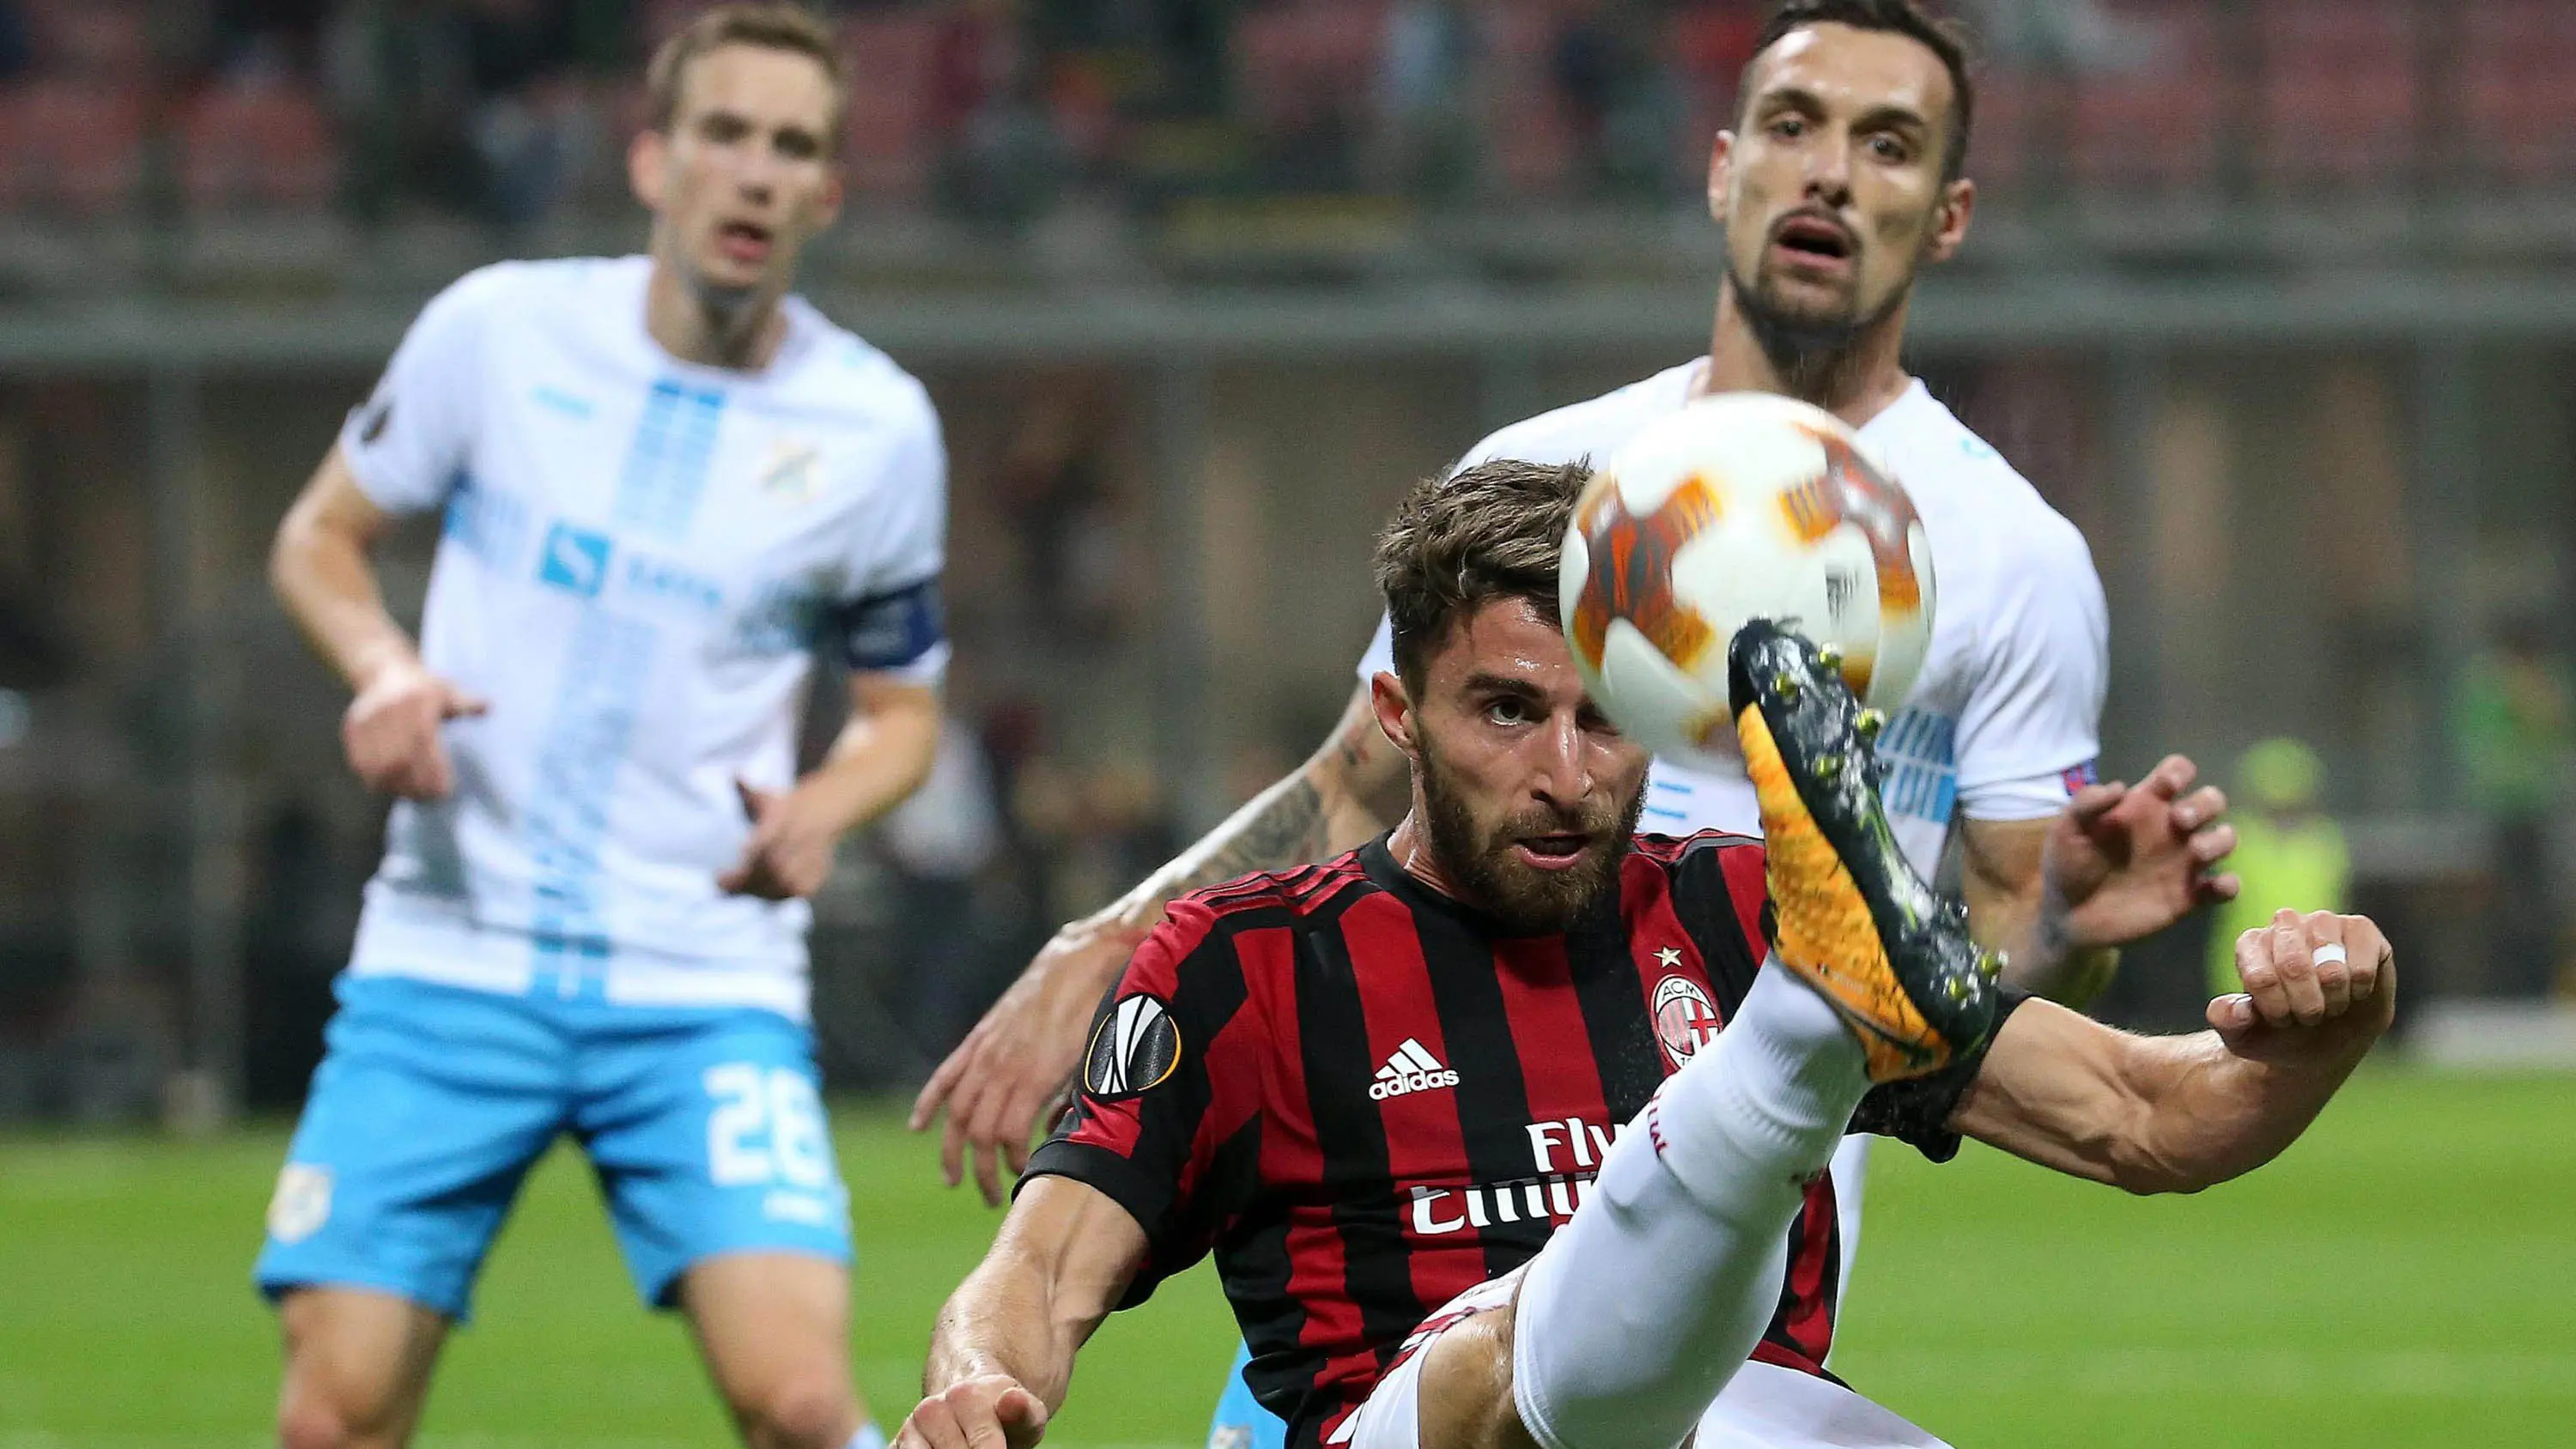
(1002, 1351)
(882, 755)
(320, 568)
(998, 1085)
(2178, 1114)
(2121, 862)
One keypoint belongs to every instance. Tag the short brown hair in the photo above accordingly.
(1457, 543)
(770, 26)
(1946, 39)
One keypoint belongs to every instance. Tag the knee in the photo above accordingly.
(306, 1421)
(802, 1411)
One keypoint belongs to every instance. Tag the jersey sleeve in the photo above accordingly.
(1164, 1119)
(1917, 1111)
(412, 439)
(891, 620)
(2032, 726)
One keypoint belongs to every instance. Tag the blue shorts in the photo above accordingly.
(702, 1123)
(1240, 1422)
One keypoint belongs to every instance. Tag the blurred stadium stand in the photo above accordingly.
(2276, 299)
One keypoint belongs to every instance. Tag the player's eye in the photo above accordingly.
(1789, 128)
(1891, 149)
(1507, 710)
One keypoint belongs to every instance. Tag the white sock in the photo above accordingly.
(1642, 1307)
(868, 1437)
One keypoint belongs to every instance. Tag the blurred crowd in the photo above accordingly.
(997, 110)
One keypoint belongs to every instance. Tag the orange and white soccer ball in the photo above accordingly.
(1741, 506)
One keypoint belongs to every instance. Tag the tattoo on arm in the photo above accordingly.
(1280, 827)
(1289, 830)
(1291, 823)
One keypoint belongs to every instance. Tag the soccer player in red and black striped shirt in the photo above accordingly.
(1455, 1111)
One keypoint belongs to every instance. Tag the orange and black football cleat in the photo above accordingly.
(1853, 918)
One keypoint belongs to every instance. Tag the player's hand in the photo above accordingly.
(989, 1411)
(789, 854)
(391, 732)
(2125, 861)
(1003, 1081)
(2296, 1005)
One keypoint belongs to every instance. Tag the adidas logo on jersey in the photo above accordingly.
(1411, 1069)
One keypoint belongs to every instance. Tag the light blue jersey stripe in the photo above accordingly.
(666, 470)
(600, 691)
(577, 772)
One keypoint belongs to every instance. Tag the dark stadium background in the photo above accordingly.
(2276, 300)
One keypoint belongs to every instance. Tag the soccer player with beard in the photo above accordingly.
(1387, 1091)
(1842, 179)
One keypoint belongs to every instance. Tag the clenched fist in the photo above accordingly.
(2317, 982)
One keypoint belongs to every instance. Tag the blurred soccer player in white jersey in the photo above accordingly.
(1842, 178)
(665, 485)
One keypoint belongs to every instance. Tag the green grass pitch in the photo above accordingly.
(2406, 1276)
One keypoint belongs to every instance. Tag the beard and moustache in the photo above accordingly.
(1816, 356)
(1524, 901)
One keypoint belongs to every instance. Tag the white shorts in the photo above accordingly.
(1764, 1406)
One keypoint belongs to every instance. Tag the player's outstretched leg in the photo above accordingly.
(1649, 1300)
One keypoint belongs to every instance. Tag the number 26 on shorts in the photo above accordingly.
(766, 1126)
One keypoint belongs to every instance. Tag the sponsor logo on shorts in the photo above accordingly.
(1137, 1047)
(302, 1203)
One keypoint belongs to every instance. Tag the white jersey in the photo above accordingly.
(640, 557)
(2006, 716)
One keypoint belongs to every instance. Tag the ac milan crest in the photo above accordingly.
(1685, 1019)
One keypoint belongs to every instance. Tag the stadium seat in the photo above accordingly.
(893, 63)
(70, 147)
(1300, 63)
(1533, 138)
(1709, 44)
(256, 146)
(2013, 108)
(102, 41)
(662, 19)
(2513, 110)
(2340, 96)
(2156, 126)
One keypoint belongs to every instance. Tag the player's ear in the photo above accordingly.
(648, 156)
(827, 207)
(1393, 708)
(1950, 220)
(1721, 171)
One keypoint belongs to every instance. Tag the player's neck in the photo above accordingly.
(1855, 382)
(736, 330)
(1410, 844)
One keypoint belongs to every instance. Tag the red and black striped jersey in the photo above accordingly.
(1365, 1098)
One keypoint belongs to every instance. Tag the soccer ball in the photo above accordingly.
(1739, 507)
